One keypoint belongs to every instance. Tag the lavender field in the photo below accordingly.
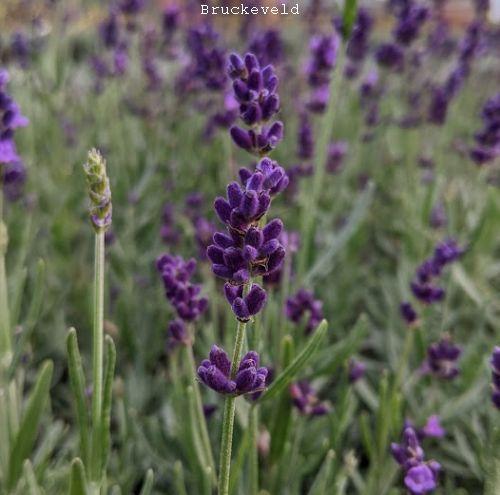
(249, 248)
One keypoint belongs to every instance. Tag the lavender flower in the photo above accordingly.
(304, 398)
(422, 286)
(301, 303)
(178, 333)
(488, 138)
(180, 291)
(267, 47)
(168, 231)
(323, 57)
(410, 21)
(336, 154)
(432, 428)
(255, 89)
(245, 306)
(438, 217)
(357, 370)
(357, 46)
(390, 56)
(10, 119)
(420, 476)
(13, 177)
(408, 313)
(98, 190)
(442, 359)
(305, 138)
(215, 373)
(495, 373)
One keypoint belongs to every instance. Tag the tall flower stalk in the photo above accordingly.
(250, 247)
(96, 427)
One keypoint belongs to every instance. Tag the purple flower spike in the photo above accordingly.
(495, 373)
(215, 373)
(245, 307)
(178, 333)
(182, 294)
(420, 477)
(442, 359)
(301, 303)
(304, 398)
(357, 370)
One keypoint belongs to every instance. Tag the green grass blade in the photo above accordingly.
(25, 439)
(107, 396)
(30, 479)
(147, 487)
(348, 17)
(78, 480)
(297, 364)
(77, 380)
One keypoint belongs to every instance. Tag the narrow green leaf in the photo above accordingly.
(348, 17)
(25, 438)
(179, 483)
(193, 428)
(32, 316)
(282, 418)
(77, 380)
(288, 374)
(367, 435)
(77, 480)
(147, 487)
(109, 374)
(237, 464)
(321, 482)
(30, 479)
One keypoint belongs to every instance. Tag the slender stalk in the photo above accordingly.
(254, 454)
(97, 356)
(5, 337)
(228, 421)
(311, 198)
(200, 416)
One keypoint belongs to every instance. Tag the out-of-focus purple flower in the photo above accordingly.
(323, 57)
(170, 21)
(408, 313)
(20, 48)
(495, 374)
(442, 357)
(305, 138)
(209, 410)
(178, 333)
(290, 242)
(390, 56)
(410, 22)
(335, 157)
(432, 428)
(357, 46)
(304, 398)
(471, 42)
(267, 46)
(357, 370)
(10, 119)
(109, 30)
(438, 217)
(13, 177)
(438, 106)
(368, 87)
(422, 286)
(420, 477)
(180, 291)
(488, 138)
(215, 372)
(203, 232)
(301, 303)
(168, 231)
(132, 7)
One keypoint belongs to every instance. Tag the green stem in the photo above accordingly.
(200, 416)
(311, 199)
(229, 408)
(97, 356)
(405, 354)
(254, 454)
(5, 337)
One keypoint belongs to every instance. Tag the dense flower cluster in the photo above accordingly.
(215, 372)
(495, 374)
(304, 398)
(488, 138)
(421, 476)
(323, 57)
(422, 286)
(98, 190)
(12, 171)
(255, 90)
(301, 303)
(180, 291)
(442, 359)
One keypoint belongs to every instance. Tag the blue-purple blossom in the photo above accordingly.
(184, 296)
(304, 398)
(245, 306)
(267, 46)
(215, 372)
(358, 44)
(420, 476)
(323, 57)
(356, 371)
(410, 21)
(495, 375)
(442, 358)
(487, 146)
(335, 156)
(408, 313)
(302, 303)
(390, 56)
